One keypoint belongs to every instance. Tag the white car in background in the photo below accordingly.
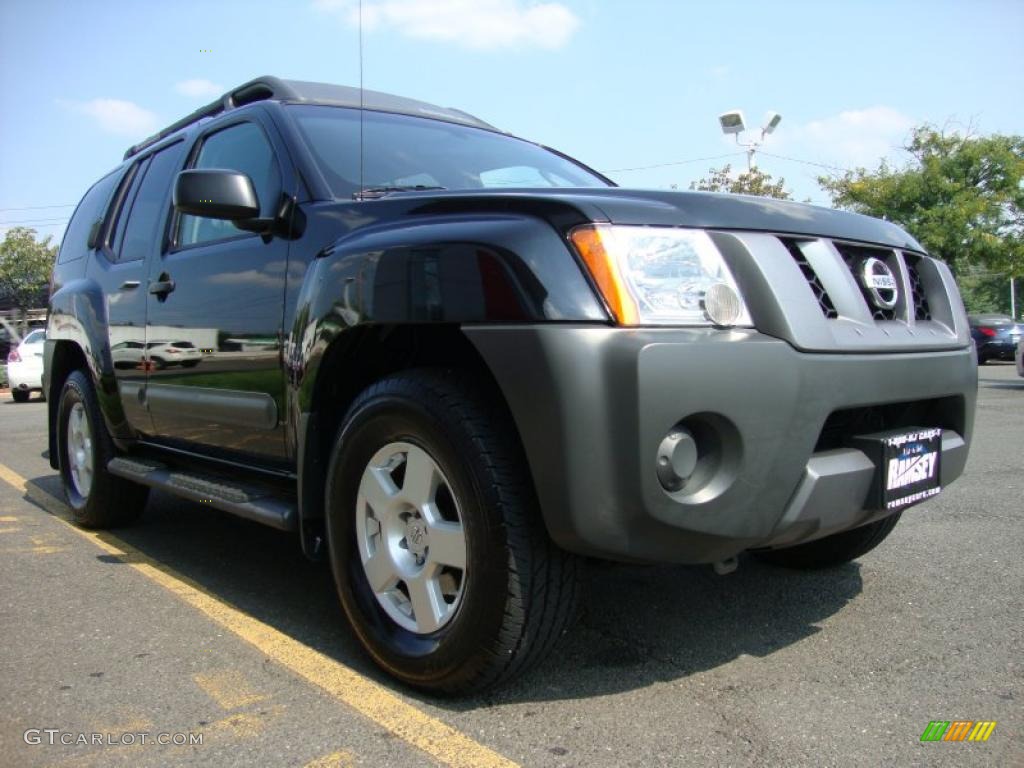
(25, 367)
(160, 354)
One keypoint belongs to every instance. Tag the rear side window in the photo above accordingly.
(91, 210)
(151, 205)
(245, 148)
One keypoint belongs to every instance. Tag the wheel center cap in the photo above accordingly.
(416, 537)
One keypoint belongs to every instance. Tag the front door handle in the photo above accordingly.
(129, 285)
(160, 288)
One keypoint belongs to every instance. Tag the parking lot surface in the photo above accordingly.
(194, 623)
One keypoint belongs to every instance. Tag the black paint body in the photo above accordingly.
(276, 307)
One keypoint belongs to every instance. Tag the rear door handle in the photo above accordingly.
(129, 285)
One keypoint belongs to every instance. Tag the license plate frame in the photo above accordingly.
(908, 466)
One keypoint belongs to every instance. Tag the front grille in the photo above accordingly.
(855, 256)
(828, 309)
(921, 309)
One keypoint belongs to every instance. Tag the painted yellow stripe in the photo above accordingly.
(439, 740)
(13, 478)
(339, 759)
(229, 689)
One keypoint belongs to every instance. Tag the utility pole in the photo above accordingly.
(1013, 301)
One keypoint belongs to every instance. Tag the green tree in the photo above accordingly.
(986, 292)
(961, 196)
(753, 182)
(25, 265)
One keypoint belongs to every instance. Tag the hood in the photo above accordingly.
(707, 210)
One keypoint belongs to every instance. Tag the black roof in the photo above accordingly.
(298, 91)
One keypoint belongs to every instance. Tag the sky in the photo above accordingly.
(632, 88)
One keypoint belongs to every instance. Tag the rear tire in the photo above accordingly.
(516, 592)
(832, 550)
(20, 395)
(97, 498)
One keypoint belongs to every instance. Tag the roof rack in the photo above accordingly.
(264, 88)
(255, 90)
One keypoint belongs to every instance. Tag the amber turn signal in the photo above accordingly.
(591, 242)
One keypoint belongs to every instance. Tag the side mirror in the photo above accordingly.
(216, 194)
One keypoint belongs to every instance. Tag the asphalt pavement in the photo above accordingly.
(194, 624)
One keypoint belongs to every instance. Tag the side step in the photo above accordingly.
(249, 501)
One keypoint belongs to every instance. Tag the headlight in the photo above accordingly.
(660, 275)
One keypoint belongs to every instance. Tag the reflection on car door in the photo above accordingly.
(220, 291)
(134, 235)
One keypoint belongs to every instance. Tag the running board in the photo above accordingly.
(249, 501)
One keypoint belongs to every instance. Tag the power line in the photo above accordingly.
(806, 162)
(24, 222)
(38, 207)
(34, 226)
(674, 162)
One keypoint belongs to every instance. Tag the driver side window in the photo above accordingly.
(243, 147)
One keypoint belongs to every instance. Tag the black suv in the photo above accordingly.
(452, 361)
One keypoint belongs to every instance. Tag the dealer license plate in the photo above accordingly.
(910, 467)
(907, 462)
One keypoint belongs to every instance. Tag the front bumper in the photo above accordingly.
(592, 405)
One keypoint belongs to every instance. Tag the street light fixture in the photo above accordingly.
(733, 123)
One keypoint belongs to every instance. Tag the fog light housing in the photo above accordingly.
(677, 459)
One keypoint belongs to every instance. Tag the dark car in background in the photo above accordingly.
(995, 336)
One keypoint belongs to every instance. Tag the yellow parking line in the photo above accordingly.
(340, 759)
(439, 740)
(12, 478)
(229, 689)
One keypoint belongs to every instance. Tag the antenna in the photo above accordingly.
(361, 112)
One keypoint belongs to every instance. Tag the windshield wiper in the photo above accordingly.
(373, 193)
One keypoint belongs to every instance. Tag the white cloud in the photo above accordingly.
(198, 88)
(123, 118)
(479, 24)
(854, 138)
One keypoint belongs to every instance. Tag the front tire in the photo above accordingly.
(20, 395)
(832, 550)
(439, 553)
(97, 498)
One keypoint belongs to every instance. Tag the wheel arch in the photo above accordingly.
(352, 362)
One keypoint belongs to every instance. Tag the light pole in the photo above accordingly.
(732, 122)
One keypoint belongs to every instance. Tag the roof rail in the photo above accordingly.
(258, 89)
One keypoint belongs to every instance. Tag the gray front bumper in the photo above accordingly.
(593, 403)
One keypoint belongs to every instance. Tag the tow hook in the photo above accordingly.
(727, 566)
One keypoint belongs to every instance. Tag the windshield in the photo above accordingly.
(409, 152)
(36, 337)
